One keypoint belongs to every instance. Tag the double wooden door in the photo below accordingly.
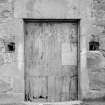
(51, 61)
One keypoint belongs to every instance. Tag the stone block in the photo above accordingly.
(6, 10)
(96, 66)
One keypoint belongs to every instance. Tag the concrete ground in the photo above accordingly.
(93, 103)
(51, 103)
(58, 103)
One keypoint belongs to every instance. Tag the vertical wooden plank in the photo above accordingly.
(44, 90)
(62, 88)
(73, 87)
(38, 89)
(65, 89)
(59, 84)
(51, 88)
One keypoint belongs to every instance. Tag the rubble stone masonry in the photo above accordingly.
(91, 17)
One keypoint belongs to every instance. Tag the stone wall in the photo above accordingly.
(96, 59)
(91, 14)
(11, 68)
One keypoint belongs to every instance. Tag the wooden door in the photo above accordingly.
(51, 61)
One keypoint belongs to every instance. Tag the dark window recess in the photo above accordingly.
(93, 45)
(10, 47)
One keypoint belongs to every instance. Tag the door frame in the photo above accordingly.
(77, 21)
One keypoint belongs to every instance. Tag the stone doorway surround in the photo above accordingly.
(75, 102)
(63, 21)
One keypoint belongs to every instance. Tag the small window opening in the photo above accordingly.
(93, 45)
(10, 47)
